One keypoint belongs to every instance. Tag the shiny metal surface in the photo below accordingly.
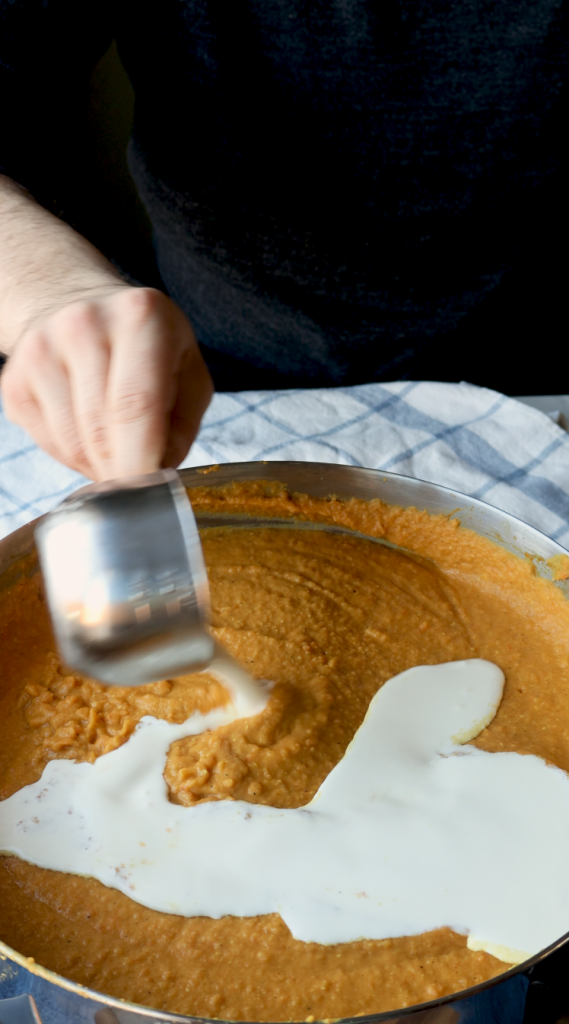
(125, 580)
(502, 1000)
(19, 1010)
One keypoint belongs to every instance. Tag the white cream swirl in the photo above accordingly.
(411, 831)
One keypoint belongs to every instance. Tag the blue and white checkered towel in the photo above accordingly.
(468, 438)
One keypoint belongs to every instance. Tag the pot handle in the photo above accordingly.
(19, 1010)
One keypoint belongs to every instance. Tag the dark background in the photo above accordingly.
(515, 341)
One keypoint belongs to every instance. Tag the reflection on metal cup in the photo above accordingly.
(125, 580)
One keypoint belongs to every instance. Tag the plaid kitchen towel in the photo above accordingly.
(469, 438)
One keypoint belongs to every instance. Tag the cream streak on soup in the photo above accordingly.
(413, 830)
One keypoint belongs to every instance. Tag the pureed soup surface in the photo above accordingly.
(329, 618)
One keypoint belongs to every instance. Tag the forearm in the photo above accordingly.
(44, 264)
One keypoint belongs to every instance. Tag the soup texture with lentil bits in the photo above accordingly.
(328, 617)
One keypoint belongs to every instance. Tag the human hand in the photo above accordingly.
(112, 384)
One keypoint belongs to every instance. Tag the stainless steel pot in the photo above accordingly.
(29, 993)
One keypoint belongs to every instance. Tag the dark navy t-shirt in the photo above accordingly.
(336, 187)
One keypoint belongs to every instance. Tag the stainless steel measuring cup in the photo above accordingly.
(125, 580)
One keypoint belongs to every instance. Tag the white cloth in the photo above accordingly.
(468, 438)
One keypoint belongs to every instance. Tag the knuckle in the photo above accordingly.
(133, 404)
(75, 455)
(69, 443)
(140, 303)
(78, 318)
(34, 348)
(17, 398)
(96, 433)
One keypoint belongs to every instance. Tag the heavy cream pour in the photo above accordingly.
(411, 831)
